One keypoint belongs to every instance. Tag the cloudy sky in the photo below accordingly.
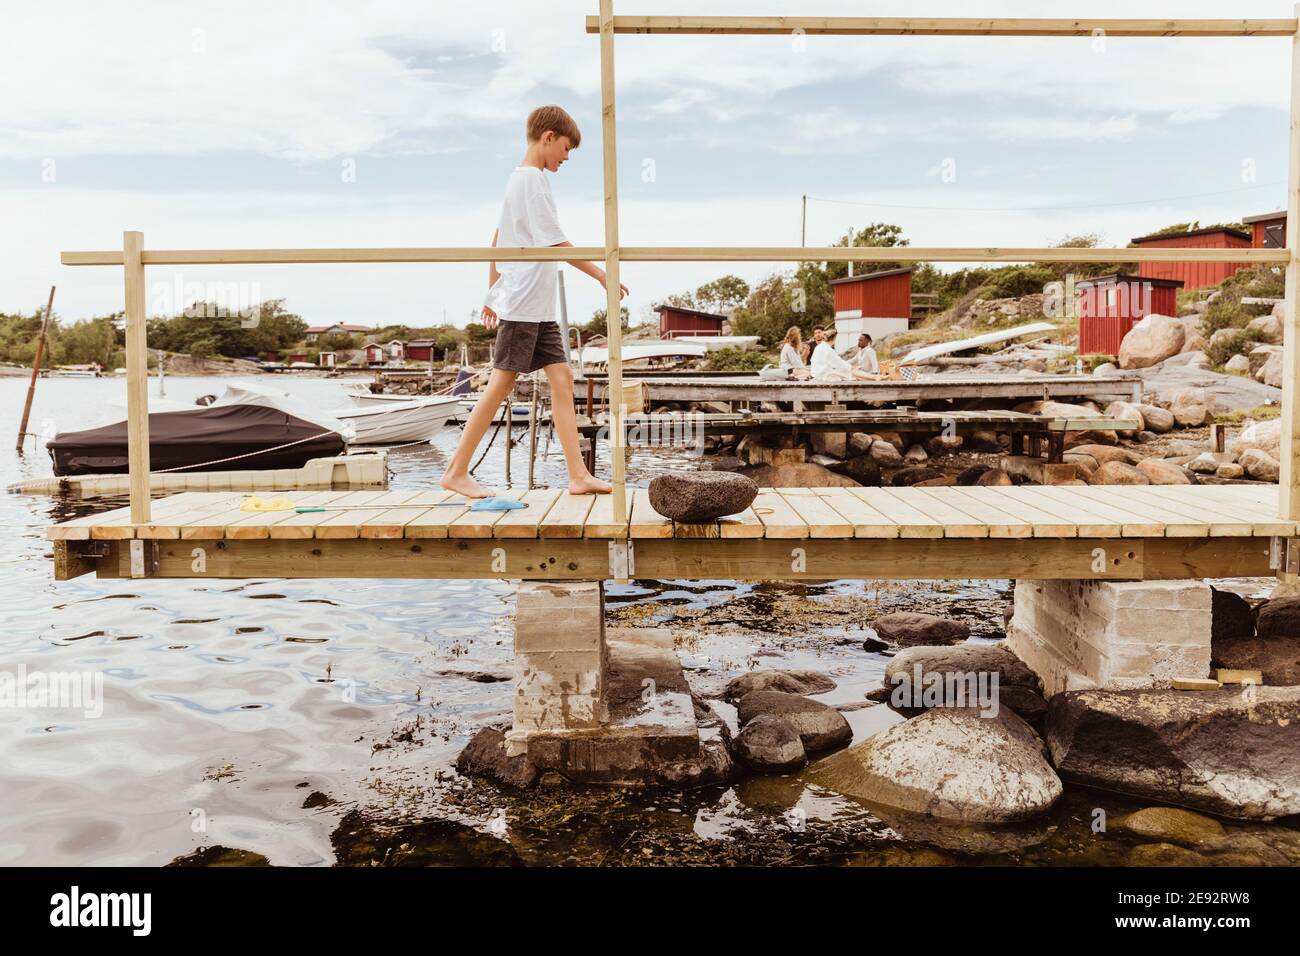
(258, 124)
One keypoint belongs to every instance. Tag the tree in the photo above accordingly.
(879, 234)
(599, 324)
(720, 296)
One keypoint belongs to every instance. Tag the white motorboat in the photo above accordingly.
(391, 423)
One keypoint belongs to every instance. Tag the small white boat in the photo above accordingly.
(391, 423)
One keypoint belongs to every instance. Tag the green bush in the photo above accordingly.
(1240, 343)
(736, 360)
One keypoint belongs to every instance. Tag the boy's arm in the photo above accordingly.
(590, 268)
(493, 274)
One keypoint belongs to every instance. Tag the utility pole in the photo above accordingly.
(36, 369)
(803, 229)
(848, 241)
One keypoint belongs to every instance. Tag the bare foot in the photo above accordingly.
(589, 485)
(464, 485)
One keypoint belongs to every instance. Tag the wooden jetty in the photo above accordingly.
(1112, 533)
(737, 389)
(1033, 431)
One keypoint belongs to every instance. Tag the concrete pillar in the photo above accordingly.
(1111, 634)
(561, 660)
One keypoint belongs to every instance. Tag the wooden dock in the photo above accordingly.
(1114, 532)
(1009, 388)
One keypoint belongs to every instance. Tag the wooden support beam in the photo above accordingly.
(740, 559)
(1289, 477)
(137, 377)
(202, 257)
(613, 297)
(946, 26)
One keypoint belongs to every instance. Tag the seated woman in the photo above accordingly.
(829, 366)
(791, 357)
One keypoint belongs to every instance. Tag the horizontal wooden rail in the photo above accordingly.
(192, 257)
(948, 26)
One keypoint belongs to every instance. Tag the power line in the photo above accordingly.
(1089, 205)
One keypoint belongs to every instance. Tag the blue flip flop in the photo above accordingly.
(497, 504)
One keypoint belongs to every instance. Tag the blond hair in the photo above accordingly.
(555, 120)
(794, 336)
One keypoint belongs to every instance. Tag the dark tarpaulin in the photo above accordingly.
(203, 435)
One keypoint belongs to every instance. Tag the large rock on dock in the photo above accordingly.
(787, 682)
(912, 669)
(697, 497)
(1224, 751)
(769, 744)
(951, 765)
(1151, 341)
(819, 726)
(910, 628)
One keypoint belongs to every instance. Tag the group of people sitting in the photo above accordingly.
(819, 359)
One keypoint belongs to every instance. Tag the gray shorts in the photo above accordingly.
(527, 346)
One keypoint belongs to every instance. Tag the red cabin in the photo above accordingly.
(675, 322)
(420, 350)
(1109, 306)
(1194, 275)
(1267, 231)
(878, 303)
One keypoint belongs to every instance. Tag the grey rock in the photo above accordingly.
(1221, 751)
(915, 474)
(787, 682)
(950, 765)
(485, 756)
(910, 628)
(769, 744)
(820, 726)
(1018, 686)
(695, 497)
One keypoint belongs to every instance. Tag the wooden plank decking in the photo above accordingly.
(952, 532)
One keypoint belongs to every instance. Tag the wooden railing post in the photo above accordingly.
(1289, 479)
(613, 315)
(137, 380)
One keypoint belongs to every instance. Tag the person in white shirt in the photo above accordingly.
(866, 360)
(827, 364)
(790, 349)
(520, 304)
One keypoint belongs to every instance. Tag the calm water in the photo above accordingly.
(256, 714)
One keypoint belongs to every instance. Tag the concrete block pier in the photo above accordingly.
(607, 708)
(1111, 634)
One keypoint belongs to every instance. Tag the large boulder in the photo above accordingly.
(1231, 618)
(1269, 328)
(770, 745)
(863, 469)
(1259, 356)
(1266, 436)
(951, 765)
(1118, 473)
(1160, 472)
(788, 682)
(914, 669)
(914, 475)
(700, 496)
(1260, 465)
(1127, 411)
(886, 454)
(1157, 419)
(1151, 341)
(819, 726)
(1277, 659)
(1224, 751)
(1237, 365)
(912, 628)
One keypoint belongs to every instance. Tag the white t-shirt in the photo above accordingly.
(790, 357)
(867, 361)
(828, 363)
(525, 291)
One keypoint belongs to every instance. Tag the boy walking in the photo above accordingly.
(521, 306)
